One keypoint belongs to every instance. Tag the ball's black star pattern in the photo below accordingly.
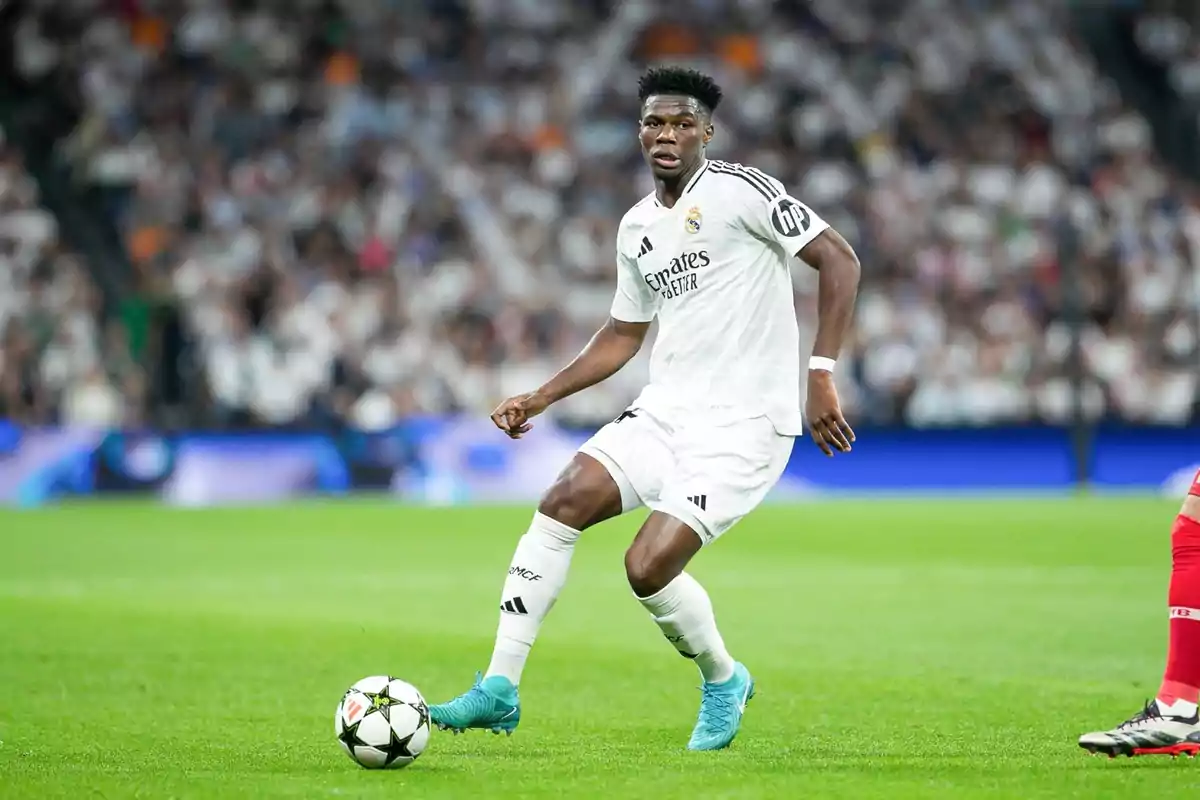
(396, 747)
(349, 736)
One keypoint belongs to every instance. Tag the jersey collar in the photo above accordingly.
(691, 184)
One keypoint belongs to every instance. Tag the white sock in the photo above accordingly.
(685, 615)
(1180, 708)
(535, 577)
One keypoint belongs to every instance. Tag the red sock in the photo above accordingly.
(1182, 678)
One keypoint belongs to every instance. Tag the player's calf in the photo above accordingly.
(583, 495)
(678, 603)
(1181, 679)
(683, 612)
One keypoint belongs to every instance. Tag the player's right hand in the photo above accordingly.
(513, 415)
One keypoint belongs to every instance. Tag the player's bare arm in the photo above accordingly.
(835, 260)
(609, 349)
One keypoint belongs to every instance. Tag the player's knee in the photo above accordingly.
(582, 496)
(565, 505)
(648, 573)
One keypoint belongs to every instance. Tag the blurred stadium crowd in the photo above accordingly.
(365, 209)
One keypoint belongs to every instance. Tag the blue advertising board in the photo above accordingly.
(436, 460)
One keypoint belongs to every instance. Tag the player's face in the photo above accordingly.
(673, 132)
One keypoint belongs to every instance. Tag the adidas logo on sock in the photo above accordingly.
(700, 500)
(514, 606)
(646, 247)
(675, 640)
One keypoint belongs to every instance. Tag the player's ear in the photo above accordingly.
(708, 133)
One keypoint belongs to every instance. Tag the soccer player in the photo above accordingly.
(1170, 724)
(706, 254)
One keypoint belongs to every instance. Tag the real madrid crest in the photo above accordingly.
(694, 218)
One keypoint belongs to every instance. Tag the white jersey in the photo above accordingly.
(714, 270)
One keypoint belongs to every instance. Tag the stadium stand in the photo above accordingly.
(58, 361)
(360, 212)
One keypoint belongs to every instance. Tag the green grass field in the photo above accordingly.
(903, 649)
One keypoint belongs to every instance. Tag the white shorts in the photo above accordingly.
(705, 474)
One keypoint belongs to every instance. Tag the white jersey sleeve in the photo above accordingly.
(633, 300)
(771, 214)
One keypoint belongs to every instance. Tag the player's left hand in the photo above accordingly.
(512, 416)
(826, 424)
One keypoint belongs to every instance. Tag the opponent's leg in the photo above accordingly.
(1181, 681)
(583, 495)
(681, 608)
(1170, 724)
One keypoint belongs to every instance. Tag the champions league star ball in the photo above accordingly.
(382, 723)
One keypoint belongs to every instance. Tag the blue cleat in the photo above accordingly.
(492, 704)
(721, 708)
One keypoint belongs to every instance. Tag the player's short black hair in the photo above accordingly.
(677, 80)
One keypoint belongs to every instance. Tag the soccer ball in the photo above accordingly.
(382, 722)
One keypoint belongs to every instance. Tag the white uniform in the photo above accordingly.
(712, 431)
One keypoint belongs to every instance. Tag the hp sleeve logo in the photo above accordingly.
(790, 217)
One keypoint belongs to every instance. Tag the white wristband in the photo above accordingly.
(821, 362)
